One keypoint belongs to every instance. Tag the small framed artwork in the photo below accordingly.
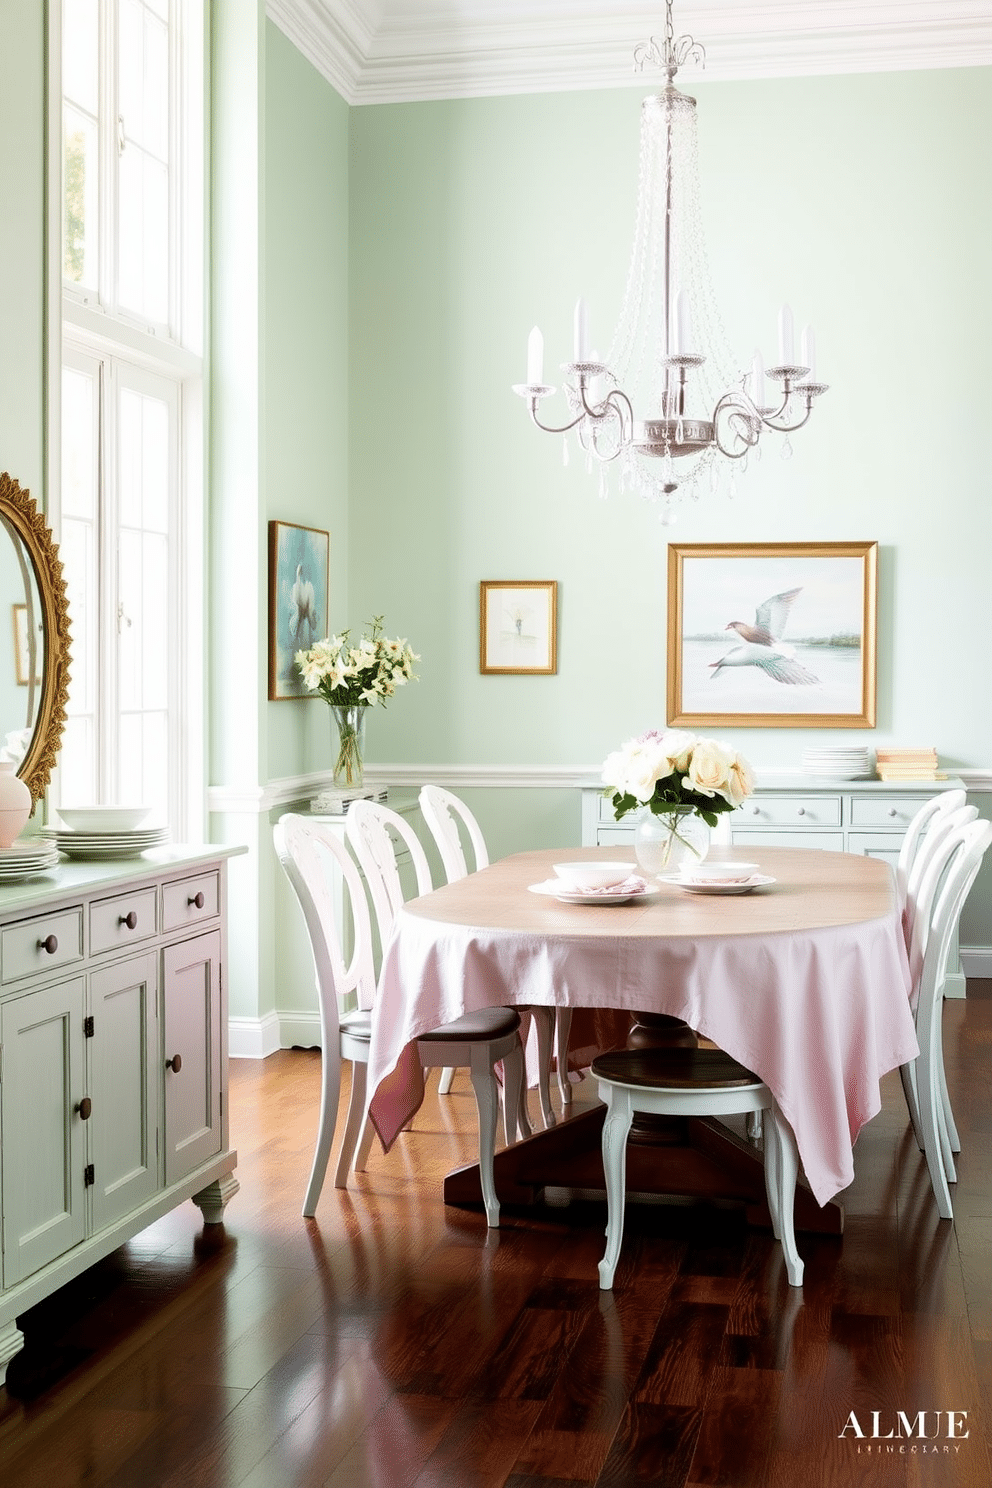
(22, 647)
(772, 635)
(518, 626)
(298, 570)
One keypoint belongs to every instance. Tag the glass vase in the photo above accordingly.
(663, 842)
(349, 724)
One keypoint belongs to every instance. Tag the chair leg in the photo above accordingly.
(931, 1116)
(515, 1096)
(619, 1115)
(784, 1170)
(907, 1074)
(484, 1085)
(444, 1081)
(563, 1027)
(753, 1125)
(353, 1124)
(953, 1139)
(544, 1027)
(330, 1092)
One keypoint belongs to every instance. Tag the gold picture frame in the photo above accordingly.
(299, 569)
(802, 648)
(518, 627)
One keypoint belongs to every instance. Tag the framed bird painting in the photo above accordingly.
(772, 635)
(298, 569)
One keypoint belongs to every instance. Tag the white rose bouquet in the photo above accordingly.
(674, 770)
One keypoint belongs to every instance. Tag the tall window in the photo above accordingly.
(132, 75)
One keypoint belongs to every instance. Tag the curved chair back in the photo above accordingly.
(441, 810)
(928, 869)
(962, 859)
(312, 855)
(924, 820)
(371, 829)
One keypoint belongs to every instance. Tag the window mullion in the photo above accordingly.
(109, 588)
(108, 157)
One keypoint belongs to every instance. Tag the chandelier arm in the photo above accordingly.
(549, 428)
(788, 428)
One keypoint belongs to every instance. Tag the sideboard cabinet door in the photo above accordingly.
(44, 1137)
(124, 1085)
(191, 997)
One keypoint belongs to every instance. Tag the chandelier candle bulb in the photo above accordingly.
(786, 354)
(535, 358)
(683, 324)
(808, 353)
(581, 330)
(758, 381)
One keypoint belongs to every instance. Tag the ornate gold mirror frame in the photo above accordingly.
(22, 517)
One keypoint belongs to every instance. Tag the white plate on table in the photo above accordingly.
(756, 881)
(619, 895)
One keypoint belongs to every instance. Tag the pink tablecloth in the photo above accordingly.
(820, 1010)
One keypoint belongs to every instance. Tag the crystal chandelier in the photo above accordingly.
(670, 403)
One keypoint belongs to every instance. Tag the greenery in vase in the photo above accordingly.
(369, 672)
(676, 770)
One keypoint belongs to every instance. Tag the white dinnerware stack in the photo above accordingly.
(24, 859)
(103, 833)
(839, 762)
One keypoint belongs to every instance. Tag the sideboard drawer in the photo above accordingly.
(42, 944)
(885, 811)
(758, 838)
(189, 900)
(122, 920)
(787, 811)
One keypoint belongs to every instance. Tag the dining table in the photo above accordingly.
(804, 979)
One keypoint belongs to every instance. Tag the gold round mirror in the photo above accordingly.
(34, 679)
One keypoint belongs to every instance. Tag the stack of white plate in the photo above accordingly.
(839, 762)
(103, 846)
(25, 859)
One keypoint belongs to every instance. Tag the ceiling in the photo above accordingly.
(389, 51)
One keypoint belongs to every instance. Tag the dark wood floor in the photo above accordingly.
(391, 1342)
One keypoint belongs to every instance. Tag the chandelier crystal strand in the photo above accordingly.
(671, 402)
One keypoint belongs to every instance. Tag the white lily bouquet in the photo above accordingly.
(351, 678)
(679, 777)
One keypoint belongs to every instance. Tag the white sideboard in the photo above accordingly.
(113, 1063)
(868, 817)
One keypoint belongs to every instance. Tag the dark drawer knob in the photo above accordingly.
(49, 944)
(130, 920)
(175, 1063)
(84, 1108)
(197, 900)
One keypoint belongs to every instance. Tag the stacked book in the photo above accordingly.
(907, 764)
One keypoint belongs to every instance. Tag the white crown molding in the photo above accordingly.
(385, 54)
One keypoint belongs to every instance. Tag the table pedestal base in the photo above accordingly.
(693, 1157)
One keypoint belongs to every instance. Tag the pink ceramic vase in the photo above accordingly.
(15, 803)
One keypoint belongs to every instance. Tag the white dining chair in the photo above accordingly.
(691, 1082)
(945, 887)
(912, 853)
(312, 855)
(442, 811)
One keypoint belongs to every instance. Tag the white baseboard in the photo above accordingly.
(299, 1030)
(257, 1038)
(253, 1038)
(976, 961)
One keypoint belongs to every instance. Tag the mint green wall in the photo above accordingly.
(306, 346)
(22, 243)
(865, 201)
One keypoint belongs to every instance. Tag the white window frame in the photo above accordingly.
(121, 340)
